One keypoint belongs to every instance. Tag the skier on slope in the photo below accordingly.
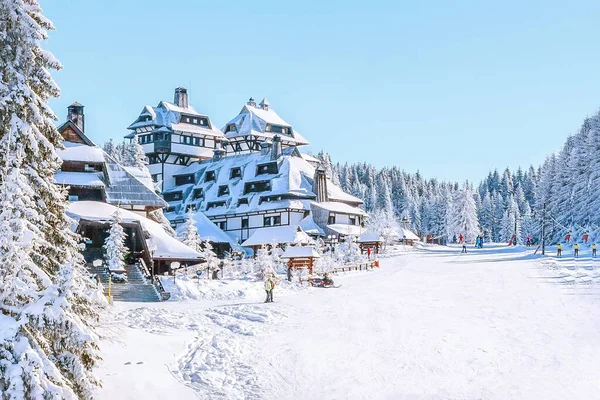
(576, 248)
(559, 250)
(464, 247)
(594, 249)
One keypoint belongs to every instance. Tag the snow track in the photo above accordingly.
(492, 324)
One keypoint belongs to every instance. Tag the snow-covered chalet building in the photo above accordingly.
(98, 186)
(174, 135)
(256, 179)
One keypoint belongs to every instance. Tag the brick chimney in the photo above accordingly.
(181, 97)
(320, 184)
(276, 150)
(75, 115)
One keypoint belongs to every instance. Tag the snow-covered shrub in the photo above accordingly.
(118, 278)
(326, 263)
(265, 264)
(348, 252)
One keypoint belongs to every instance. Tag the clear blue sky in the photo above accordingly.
(451, 90)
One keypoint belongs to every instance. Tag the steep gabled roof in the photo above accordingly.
(70, 125)
(168, 116)
(253, 120)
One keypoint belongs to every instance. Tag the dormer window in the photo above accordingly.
(242, 201)
(223, 190)
(235, 173)
(173, 196)
(255, 187)
(210, 176)
(214, 204)
(198, 194)
(230, 128)
(270, 168)
(277, 129)
(184, 179)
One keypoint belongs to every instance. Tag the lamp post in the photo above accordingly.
(152, 251)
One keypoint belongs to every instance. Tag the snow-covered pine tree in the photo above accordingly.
(189, 232)
(58, 327)
(463, 215)
(114, 244)
(111, 149)
(137, 156)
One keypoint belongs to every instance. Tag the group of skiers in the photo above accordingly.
(575, 250)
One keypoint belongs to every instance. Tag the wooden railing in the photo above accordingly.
(154, 280)
(355, 267)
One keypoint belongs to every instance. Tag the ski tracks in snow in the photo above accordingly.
(219, 363)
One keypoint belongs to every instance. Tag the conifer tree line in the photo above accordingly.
(563, 193)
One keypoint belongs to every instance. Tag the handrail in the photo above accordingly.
(154, 280)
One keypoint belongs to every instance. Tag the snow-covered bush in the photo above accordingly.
(348, 252)
(264, 264)
(118, 278)
(326, 263)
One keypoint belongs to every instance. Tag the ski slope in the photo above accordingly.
(495, 323)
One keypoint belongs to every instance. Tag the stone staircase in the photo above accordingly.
(136, 289)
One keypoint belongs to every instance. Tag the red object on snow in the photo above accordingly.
(568, 237)
(586, 237)
(460, 239)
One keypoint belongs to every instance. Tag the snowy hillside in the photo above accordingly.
(495, 323)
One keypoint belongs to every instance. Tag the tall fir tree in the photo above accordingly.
(53, 347)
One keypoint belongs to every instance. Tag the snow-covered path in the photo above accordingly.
(492, 324)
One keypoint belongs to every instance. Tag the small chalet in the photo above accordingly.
(92, 175)
(300, 258)
(370, 240)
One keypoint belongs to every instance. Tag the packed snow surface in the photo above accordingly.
(495, 323)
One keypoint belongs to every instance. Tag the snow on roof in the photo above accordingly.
(81, 152)
(142, 175)
(291, 186)
(289, 234)
(209, 231)
(86, 179)
(253, 120)
(311, 158)
(167, 117)
(309, 226)
(370, 236)
(200, 130)
(338, 207)
(345, 229)
(167, 247)
(406, 234)
(300, 252)
(124, 188)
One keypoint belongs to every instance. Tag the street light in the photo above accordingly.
(152, 250)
